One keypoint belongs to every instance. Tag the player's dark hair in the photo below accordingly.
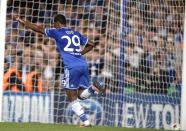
(60, 18)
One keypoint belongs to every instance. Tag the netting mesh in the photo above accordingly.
(153, 44)
(138, 55)
(154, 37)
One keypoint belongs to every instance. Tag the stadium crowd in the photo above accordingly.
(152, 40)
(36, 56)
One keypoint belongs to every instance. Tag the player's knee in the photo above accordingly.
(72, 98)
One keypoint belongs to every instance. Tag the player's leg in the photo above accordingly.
(88, 89)
(71, 95)
(72, 78)
(76, 106)
(80, 91)
(84, 93)
(88, 92)
(85, 90)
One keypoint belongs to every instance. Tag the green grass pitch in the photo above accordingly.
(4, 126)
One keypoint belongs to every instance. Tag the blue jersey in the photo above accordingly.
(68, 42)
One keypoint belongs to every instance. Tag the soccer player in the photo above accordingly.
(76, 76)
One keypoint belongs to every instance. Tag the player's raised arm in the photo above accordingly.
(31, 26)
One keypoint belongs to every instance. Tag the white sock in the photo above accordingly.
(78, 109)
(85, 94)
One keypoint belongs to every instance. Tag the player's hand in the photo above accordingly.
(19, 20)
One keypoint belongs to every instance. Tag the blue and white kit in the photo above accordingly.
(68, 42)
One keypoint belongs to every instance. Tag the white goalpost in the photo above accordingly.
(2, 48)
(183, 96)
(138, 55)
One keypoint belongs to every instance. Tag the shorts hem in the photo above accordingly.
(83, 86)
(71, 88)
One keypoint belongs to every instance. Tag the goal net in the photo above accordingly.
(137, 54)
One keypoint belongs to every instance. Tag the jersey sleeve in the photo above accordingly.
(50, 32)
(83, 40)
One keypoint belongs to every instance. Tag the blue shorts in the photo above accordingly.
(76, 77)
